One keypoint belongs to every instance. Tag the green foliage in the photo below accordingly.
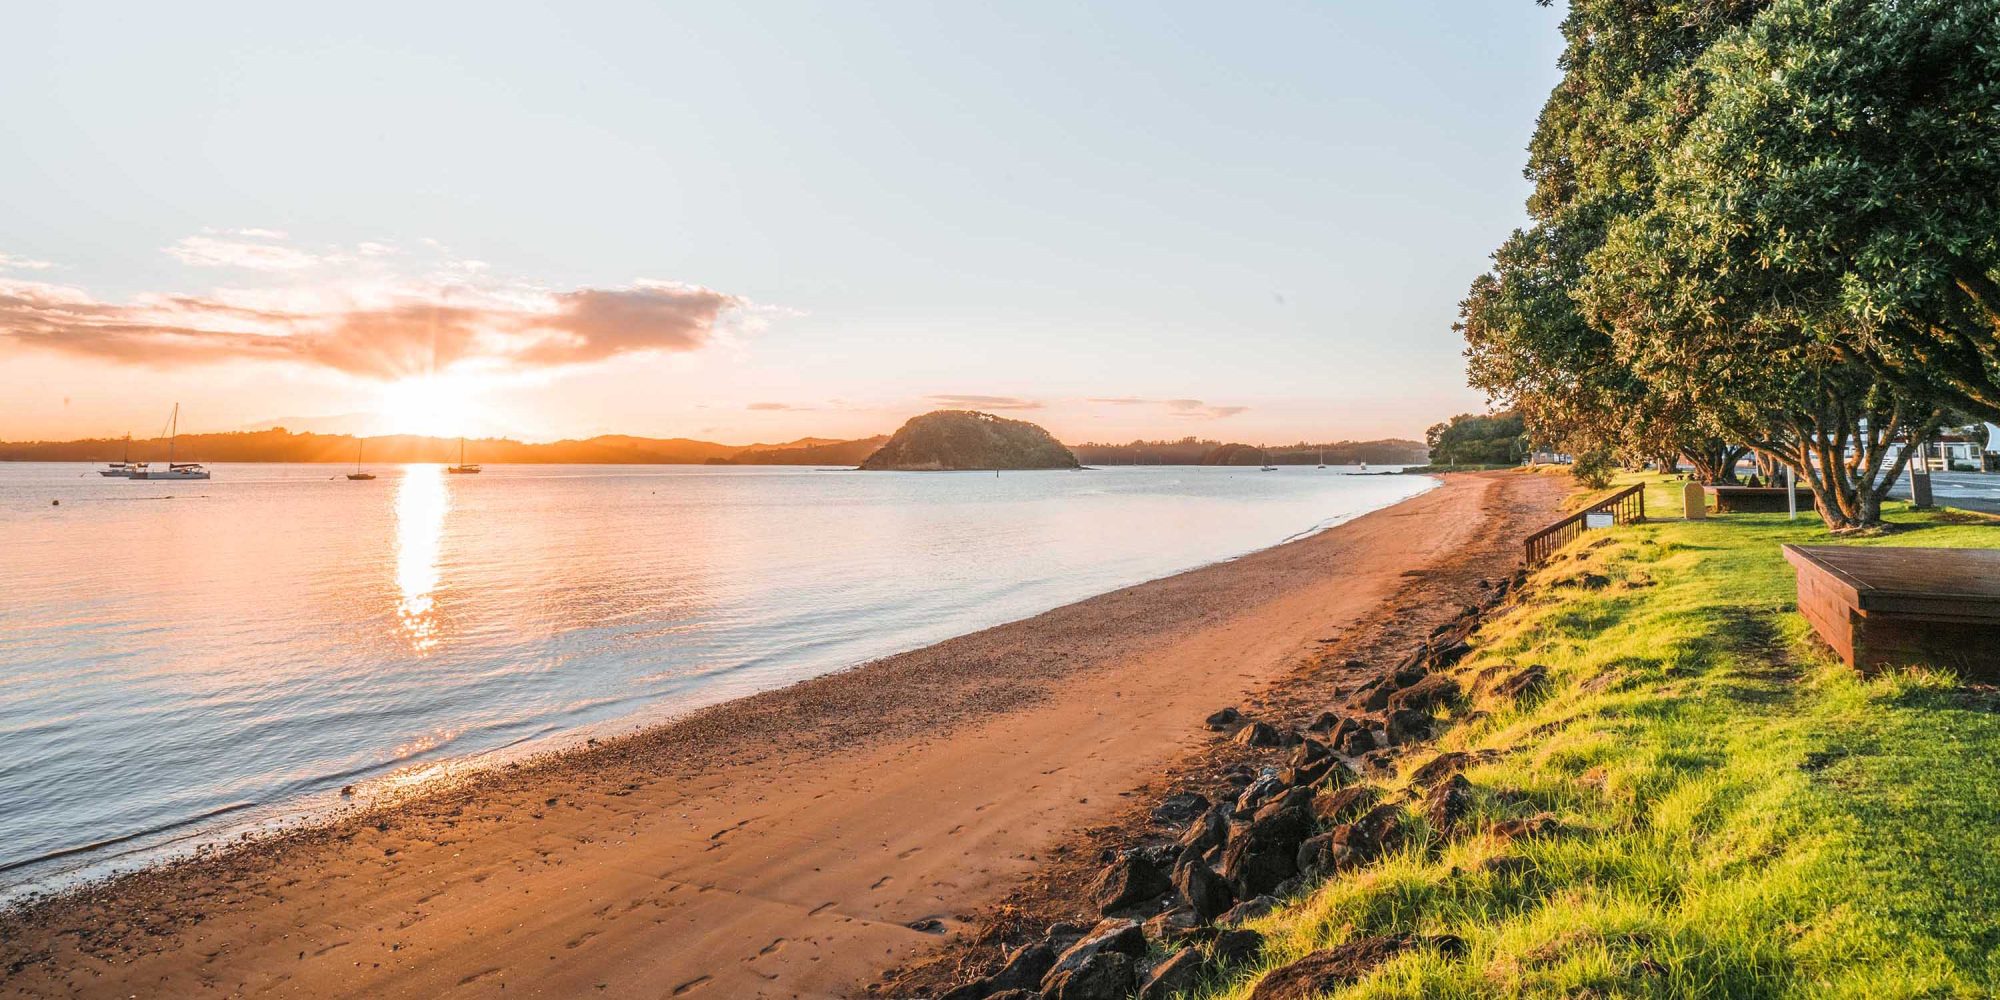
(1741, 815)
(1594, 469)
(1472, 439)
(1772, 223)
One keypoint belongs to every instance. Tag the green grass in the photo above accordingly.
(1741, 815)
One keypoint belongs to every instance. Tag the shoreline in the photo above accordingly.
(728, 826)
(181, 839)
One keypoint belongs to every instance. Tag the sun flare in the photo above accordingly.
(436, 405)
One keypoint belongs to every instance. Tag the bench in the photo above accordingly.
(1757, 499)
(1879, 606)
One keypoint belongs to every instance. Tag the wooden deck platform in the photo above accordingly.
(1757, 499)
(1882, 607)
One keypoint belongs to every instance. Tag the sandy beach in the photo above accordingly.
(792, 844)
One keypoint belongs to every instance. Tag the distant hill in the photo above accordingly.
(280, 445)
(822, 451)
(1192, 451)
(966, 439)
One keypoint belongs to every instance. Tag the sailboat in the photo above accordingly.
(174, 470)
(1268, 467)
(123, 469)
(357, 473)
(1322, 459)
(461, 469)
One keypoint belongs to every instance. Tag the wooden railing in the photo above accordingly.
(1627, 506)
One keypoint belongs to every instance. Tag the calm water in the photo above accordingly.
(178, 660)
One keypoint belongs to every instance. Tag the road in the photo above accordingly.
(1967, 490)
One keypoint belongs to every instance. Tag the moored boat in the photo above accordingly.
(174, 470)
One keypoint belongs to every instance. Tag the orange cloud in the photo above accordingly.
(984, 402)
(398, 334)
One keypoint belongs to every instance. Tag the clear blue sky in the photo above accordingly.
(1270, 208)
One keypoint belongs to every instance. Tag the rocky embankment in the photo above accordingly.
(1293, 808)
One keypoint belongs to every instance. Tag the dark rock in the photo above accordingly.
(1310, 774)
(928, 925)
(1206, 892)
(1377, 832)
(1330, 968)
(1208, 830)
(1249, 909)
(1449, 654)
(1409, 725)
(1258, 734)
(1128, 881)
(1121, 936)
(1017, 995)
(1380, 762)
(1236, 946)
(1178, 974)
(1323, 723)
(1538, 825)
(1426, 694)
(1162, 855)
(1441, 767)
(1265, 852)
(978, 989)
(1376, 698)
(1179, 808)
(1174, 924)
(1530, 680)
(1342, 804)
(1448, 803)
(1292, 800)
(1258, 791)
(1024, 968)
(1309, 751)
(1226, 717)
(1355, 738)
(1291, 887)
(1062, 934)
(1107, 975)
(1322, 853)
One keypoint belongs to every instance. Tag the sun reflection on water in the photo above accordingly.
(422, 500)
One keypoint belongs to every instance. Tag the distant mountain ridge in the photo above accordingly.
(280, 445)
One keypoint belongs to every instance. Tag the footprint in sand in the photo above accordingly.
(884, 880)
(692, 984)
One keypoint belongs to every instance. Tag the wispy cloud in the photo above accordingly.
(984, 402)
(1194, 409)
(364, 320)
(9, 261)
(214, 251)
(780, 407)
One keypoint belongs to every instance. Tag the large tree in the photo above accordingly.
(1846, 155)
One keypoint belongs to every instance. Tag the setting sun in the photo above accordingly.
(436, 405)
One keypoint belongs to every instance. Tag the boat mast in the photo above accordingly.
(173, 431)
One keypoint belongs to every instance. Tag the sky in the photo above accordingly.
(758, 221)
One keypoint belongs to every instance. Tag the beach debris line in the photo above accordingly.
(1203, 865)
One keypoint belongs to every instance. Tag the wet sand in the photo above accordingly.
(791, 844)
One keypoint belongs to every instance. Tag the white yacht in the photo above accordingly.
(174, 470)
(123, 469)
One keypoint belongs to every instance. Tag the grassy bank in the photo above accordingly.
(1740, 816)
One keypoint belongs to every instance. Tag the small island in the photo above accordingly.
(948, 440)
